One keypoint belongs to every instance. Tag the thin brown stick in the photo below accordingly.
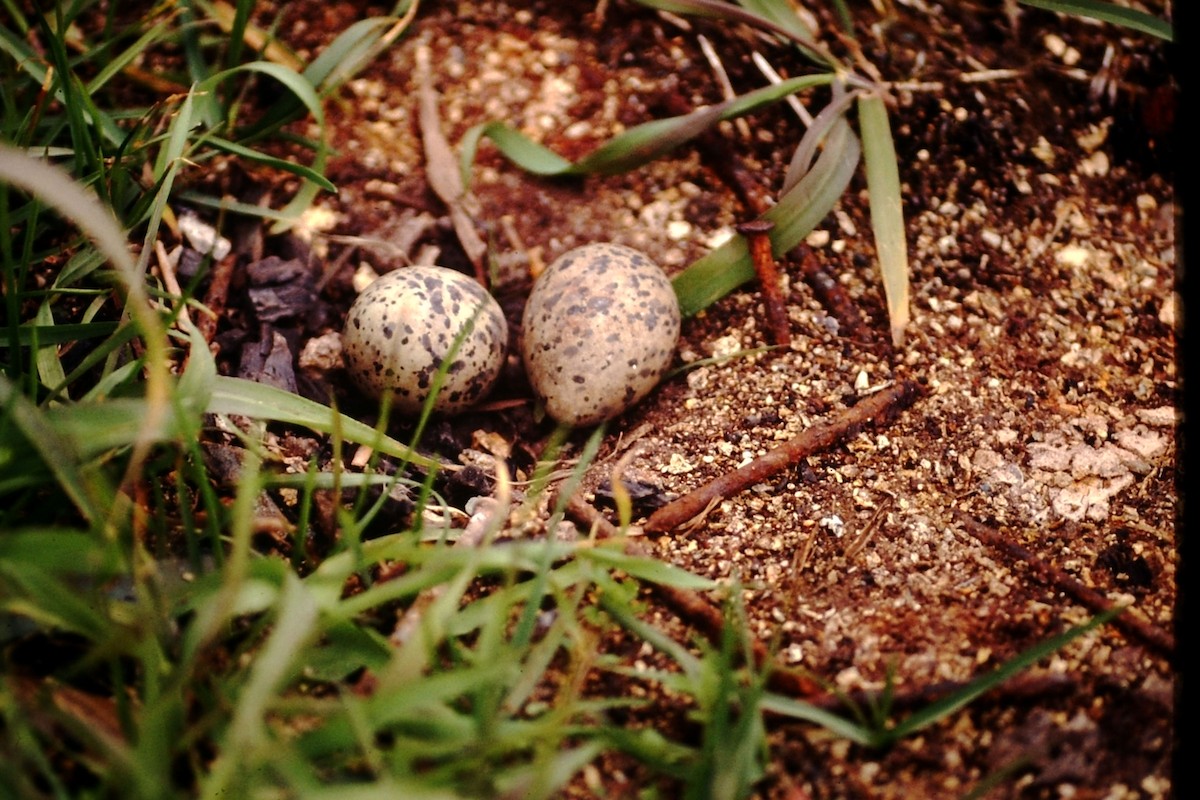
(836, 299)
(692, 607)
(881, 406)
(758, 235)
(217, 296)
(1131, 622)
(757, 200)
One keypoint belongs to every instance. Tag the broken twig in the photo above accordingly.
(1132, 623)
(758, 235)
(871, 410)
(217, 296)
(836, 300)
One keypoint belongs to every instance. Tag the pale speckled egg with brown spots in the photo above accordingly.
(403, 326)
(599, 331)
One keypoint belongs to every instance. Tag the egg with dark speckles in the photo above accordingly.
(599, 331)
(402, 328)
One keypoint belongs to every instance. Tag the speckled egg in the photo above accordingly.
(599, 331)
(402, 327)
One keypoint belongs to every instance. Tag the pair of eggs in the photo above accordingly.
(599, 331)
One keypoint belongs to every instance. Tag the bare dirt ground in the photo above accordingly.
(1036, 157)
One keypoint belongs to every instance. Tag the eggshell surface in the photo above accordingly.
(403, 326)
(599, 330)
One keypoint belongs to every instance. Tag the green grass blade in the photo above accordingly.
(295, 623)
(346, 55)
(46, 599)
(781, 13)
(799, 211)
(525, 153)
(93, 429)
(548, 776)
(339, 61)
(1109, 12)
(227, 205)
(59, 552)
(195, 387)
(237, 32)
(818, 131)
(948, 705)
(166, 164)
(82, 208)
(49, 367)
(648, 141)
(616, 600)
(300, 170)
(638, 145)
(719, 9)
(302, 89)
(834, 723)
(57, 451)
(83, 263)
(256, 400)
(22, 56)
(887, 210)
(59, 334)
(113, 67)
(647, 569)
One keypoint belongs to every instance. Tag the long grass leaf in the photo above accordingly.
(548, 776)
(49, 367)
(834, 723)
(801, 209)
(228, 205)
(295, 623)
(525, 153)
(23, 56)
(126, 57)
(58, 334)
(615, 602)
(46, 599)
(636, 146)
(195, 387)
(783, 14)
(887, 210)
(246, 398)
(59, 551)
(1109, 12)
(93, 429)
(719, 9)
(257, 157)
(57, 451)
(648, 569)
(940, 709)
(353, 48)
(818, 131)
